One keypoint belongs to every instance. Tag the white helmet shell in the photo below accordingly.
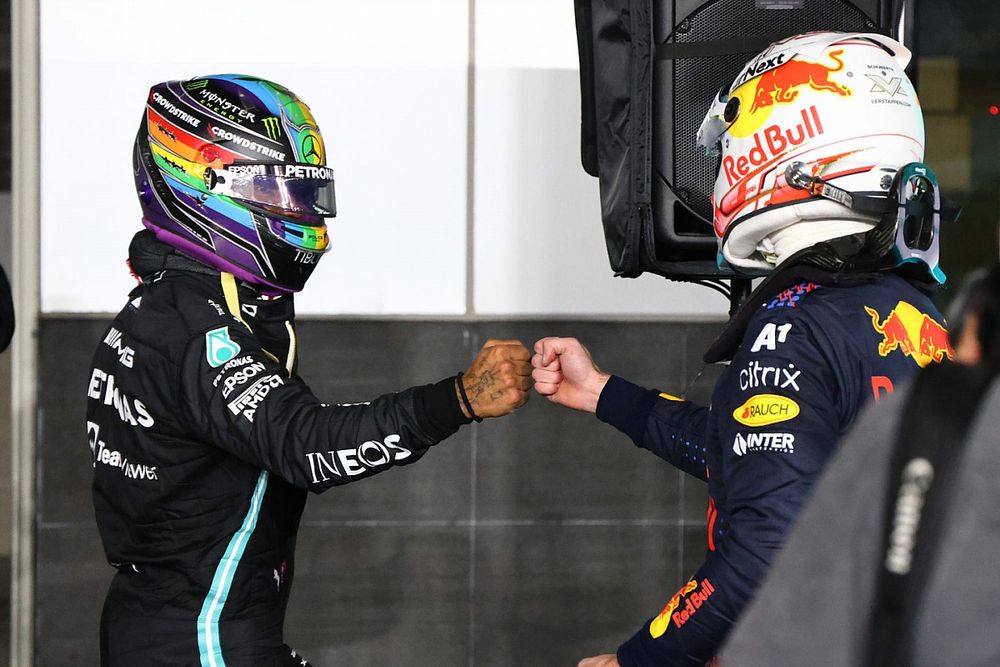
(841, 104)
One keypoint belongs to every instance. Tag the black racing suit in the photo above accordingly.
(810, 355)
(205, 441)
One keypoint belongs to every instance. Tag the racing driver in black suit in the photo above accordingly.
(204, 438)
(820, 188)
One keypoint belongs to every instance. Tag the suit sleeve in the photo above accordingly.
(241, 400)
(779, 419)
(671, 428)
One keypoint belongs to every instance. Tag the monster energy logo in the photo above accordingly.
(272, 127)
(195, 85)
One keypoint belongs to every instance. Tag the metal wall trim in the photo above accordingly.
(25, 156)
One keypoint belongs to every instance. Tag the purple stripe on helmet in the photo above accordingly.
(207, 257)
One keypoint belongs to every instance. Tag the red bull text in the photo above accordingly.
(693, 600)
(776, 141)
(660, 624)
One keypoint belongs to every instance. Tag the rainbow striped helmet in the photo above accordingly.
(231, 170)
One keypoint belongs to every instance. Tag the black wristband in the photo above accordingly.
(465, 398)
(438, 410)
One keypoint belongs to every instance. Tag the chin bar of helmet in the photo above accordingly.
(910, 213)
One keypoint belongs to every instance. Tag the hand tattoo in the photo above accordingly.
(484, 384)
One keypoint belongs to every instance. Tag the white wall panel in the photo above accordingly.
(539, 245)
(387, 82)
(385, 79)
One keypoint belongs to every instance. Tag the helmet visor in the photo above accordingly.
(297, 189)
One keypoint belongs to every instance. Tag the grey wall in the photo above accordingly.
(536, 539)
(6, 247)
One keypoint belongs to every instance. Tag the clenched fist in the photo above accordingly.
(498, 381)
(566, 374)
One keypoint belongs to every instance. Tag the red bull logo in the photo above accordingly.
(781, 85)
(693, 600)
(693, 603)
(660, 624)
(778, 82)
(776, 141)
(915, 334)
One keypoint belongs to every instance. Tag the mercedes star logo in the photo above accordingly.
(312, 151)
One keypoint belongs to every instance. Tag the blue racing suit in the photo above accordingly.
(810, 356)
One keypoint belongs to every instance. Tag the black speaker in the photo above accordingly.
(649, 70)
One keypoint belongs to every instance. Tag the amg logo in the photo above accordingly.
(250, 399)
(352, 462)
(125, 353)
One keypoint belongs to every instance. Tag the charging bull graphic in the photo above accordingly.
(915, 334)
(780, 85)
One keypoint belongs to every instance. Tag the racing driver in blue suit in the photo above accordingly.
(821, 189)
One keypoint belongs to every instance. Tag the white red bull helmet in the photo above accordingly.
(812, 135)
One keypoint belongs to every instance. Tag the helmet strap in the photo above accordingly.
(797, 176)
(910, 219)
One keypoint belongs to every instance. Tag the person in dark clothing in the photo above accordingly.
(205, 440)
(815, 165)
(835, 553)
(6, 312)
